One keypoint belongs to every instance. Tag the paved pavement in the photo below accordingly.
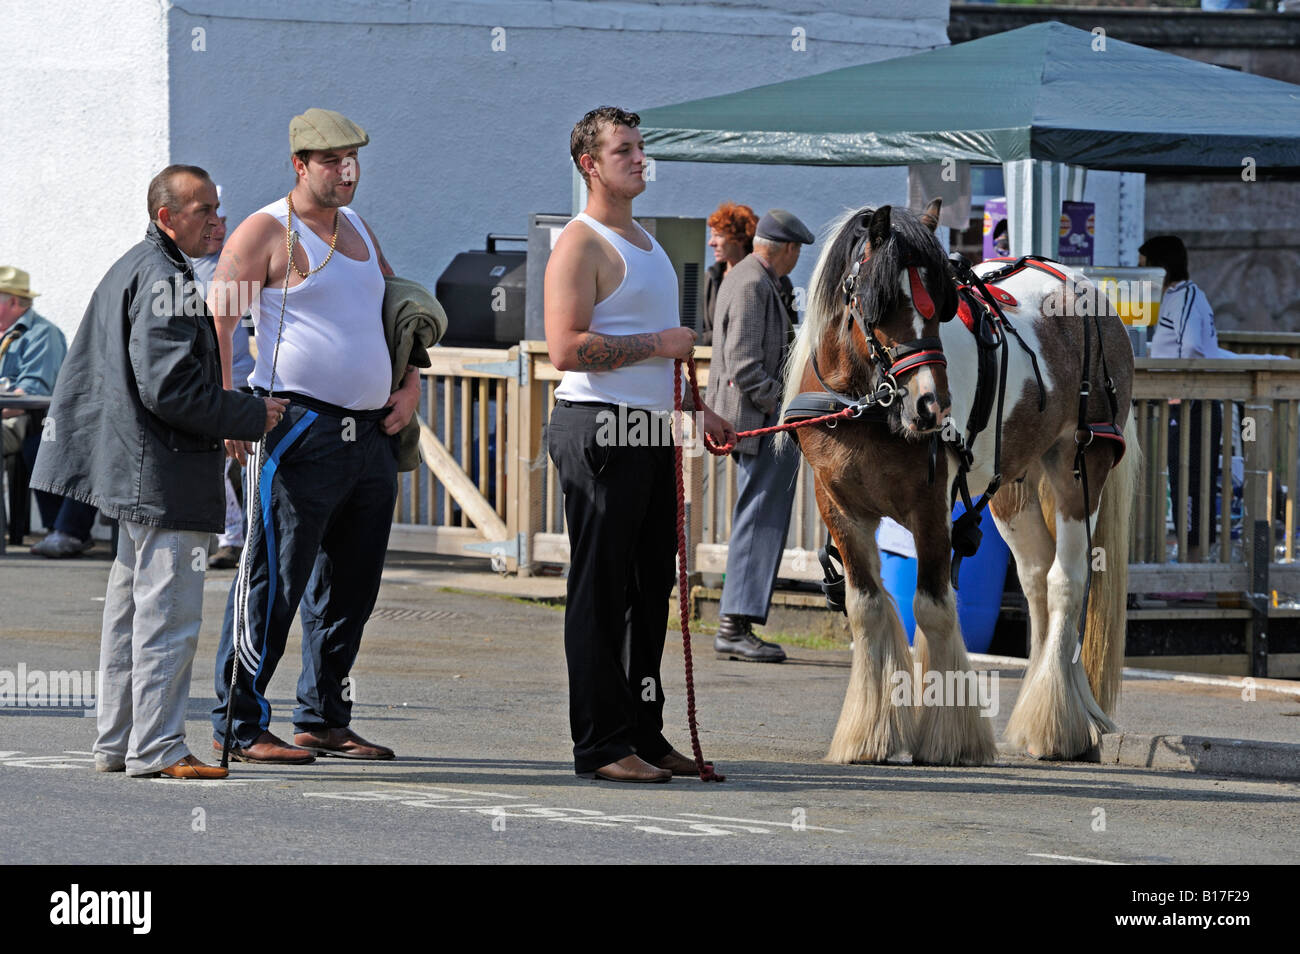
(470, 689)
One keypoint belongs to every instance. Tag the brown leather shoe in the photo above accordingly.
(679, 764)
(341, 743)
(630, 768)
(268, 748)
(190, 767)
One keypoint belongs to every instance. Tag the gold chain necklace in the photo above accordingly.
(288, 245)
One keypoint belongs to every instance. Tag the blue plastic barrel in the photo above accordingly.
(982, 578)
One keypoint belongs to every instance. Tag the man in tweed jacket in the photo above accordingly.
(751, 330)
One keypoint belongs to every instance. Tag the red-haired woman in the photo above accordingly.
(731, 236)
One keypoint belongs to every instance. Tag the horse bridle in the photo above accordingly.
(901, 359)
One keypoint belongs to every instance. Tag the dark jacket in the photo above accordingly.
(413, 323)
(138, 415)
(751, 332)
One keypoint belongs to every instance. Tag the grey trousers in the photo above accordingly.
(764, 494)
(152, 611)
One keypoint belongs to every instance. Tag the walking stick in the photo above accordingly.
(252, 507)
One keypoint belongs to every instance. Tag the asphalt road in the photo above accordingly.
(470, 690)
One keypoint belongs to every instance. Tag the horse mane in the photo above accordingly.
(826, 302)
(910, 242)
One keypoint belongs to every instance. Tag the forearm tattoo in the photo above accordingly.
(599, 352)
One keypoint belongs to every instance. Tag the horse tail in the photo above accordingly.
(825, 303)
(1103, 642)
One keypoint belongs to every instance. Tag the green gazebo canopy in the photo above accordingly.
(1046, 91)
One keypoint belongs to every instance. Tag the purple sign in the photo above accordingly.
(1078, 226)
(995, 214)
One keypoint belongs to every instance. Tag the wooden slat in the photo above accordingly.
(1142, 503)
(440, 461)
(795, 563)
(1225, 493)
(1180, 502)
(460, 362)
(1292, 474)
(499, 389)
(484, 476)
(429, 397)
(448, 403)
(1202, 504)
(1166, 485)
(463, 445)
(449, 541)
(551, 548)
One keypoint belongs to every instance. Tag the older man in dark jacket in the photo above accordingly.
(135, 428)
(751, 330)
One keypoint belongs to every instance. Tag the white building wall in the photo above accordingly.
(465, 138)
(84, 89)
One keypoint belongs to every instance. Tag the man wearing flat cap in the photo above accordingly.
(752, 327)
(328, 476)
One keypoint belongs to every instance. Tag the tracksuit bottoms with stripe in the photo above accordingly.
(327, 486)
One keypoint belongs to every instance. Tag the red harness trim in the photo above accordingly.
(918, 360)
(964, 313)
(1031, 263)
(921, 299)
(1111, 433)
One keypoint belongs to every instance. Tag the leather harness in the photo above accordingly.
(979, 307)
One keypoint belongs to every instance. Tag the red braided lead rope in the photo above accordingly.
(721, 450)
(707, 773)
(706, 770)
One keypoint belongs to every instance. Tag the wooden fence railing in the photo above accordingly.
(488, 486)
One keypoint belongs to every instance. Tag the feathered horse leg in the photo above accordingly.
(872, 727)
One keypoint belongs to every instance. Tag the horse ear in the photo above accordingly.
(878, 227)
(930, 217)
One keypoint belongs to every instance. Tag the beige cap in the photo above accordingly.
(15, 281)
(324, 129)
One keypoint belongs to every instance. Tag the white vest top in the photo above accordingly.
(645, 301)
(333, 346)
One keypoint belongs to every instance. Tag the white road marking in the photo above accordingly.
(755, 821)
(1090, 861)
(691, 824)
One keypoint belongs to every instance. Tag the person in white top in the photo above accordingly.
(612, 327)
(329, 478)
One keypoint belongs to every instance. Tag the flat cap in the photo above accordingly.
(782, 226)
(324, 129)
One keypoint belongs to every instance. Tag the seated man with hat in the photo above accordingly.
(31, 350)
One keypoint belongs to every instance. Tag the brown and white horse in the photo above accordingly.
(889, 265)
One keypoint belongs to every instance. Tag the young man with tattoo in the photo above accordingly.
(612, 327)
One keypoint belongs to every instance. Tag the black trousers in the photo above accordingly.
(1191, 500)
(621, 505)
(318, 543)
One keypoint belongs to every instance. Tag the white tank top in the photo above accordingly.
(333, 346)
(645, 301)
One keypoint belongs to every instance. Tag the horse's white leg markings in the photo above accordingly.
(1056, 715)
(871, 727)
(1034, 549)
(947, 734)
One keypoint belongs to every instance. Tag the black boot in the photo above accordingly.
(736, 640)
